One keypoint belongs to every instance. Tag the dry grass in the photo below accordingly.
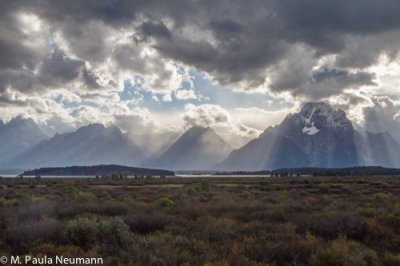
(224, 221)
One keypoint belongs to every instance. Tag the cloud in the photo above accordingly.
(185, 94)
(21, 48)
(327, 82)
(151, 136)
(219, 119)
(383, 115)
(58, 69)
(151, 29)
(326, 24)
(260, 119)
(239, 49)
(86, 50)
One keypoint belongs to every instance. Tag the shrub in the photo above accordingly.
(179, 194)
(110, 234)
(204, 186)
(241, 187)
(324, 189)
(82, 232)
(346, 253)
(381, 197)
(68, 211)
(331, 225)
(270, 200)
(113, 233)
(145, 222)
(85, 196)
(71, 192)
(288, 252)
(20, 235)
(391, 259)
(190, 190)
(35, 210)
(164, 202)
(7, 201)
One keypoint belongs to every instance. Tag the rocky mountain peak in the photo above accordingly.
(317, 136)
(19, 121)
(317, 107)
(316, 116)
(93, 127)
(197, 148)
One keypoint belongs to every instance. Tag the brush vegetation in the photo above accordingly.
(195, 221)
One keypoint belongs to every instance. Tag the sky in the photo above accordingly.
(155, 68)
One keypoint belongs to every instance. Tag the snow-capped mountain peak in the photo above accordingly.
(309, 127)
(318, 115)
(318, 136)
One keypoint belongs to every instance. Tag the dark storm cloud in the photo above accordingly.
(356, 16)
(327, 82)
(324, 23)
(239, 43)
(58, 68)
(344, 77)
(226, 26)
(159, 30)
(90, 79)
(15, 55)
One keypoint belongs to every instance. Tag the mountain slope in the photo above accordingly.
(318, 136)
(324, 134)
(17, 136)
(89, 145)
(196, 149)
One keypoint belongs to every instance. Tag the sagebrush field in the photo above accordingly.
(197, 221)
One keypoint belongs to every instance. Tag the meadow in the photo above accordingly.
(199, 221)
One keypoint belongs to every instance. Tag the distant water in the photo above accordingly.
(219, 176)
(176, 176)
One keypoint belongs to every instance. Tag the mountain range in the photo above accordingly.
(318, 136)
(17, 136)
(90, 145)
